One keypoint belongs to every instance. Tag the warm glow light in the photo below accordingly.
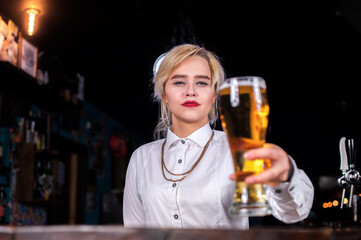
(31, 19)
(345, 201)
(334, 203)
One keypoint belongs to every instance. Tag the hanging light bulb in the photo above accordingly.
(31, 19)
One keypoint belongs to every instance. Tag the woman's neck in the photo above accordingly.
(183, 129)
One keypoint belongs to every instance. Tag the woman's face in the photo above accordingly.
(189, 92)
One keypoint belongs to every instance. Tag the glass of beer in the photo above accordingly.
(244, 113)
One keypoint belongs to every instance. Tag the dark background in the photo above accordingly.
(309, 53)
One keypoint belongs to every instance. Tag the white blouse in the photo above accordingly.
(203, 198)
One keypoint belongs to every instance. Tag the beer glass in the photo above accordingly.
(244, 113)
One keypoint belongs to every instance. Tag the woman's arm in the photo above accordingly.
(290, 191)
(133, 211)
(292, 201)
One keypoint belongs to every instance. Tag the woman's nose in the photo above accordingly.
(190, 91)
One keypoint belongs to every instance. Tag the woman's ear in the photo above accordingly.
(165, 99)
(214, 98)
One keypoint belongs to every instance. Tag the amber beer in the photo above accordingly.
(244, 113)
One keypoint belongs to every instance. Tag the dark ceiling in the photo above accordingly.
(308, 52)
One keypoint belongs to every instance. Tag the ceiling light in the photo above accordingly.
(31, 17)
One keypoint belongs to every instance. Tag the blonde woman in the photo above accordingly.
(181, 180)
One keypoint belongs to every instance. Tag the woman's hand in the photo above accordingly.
(279, 167)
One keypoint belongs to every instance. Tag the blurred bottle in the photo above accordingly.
(2, 204)
(1, 155)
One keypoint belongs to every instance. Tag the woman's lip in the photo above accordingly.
(190, 104)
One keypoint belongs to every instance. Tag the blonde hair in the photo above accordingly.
(171, 60)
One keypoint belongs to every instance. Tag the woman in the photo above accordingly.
(186, 86)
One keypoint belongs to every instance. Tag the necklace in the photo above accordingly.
(185, 174)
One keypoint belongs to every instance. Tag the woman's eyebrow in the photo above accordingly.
(178, 76)
(184, 76)
(203, 77)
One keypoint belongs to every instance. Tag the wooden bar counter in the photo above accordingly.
(114, 232)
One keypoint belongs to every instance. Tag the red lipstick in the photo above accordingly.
(190, 104)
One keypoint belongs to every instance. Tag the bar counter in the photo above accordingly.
(114, 232)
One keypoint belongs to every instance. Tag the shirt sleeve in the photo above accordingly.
(133, 211)
(292, 201)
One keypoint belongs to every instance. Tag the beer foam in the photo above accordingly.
(245, 81)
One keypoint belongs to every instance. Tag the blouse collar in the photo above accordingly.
(200, 136)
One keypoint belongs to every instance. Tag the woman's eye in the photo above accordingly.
(202, 83)
(178, 83)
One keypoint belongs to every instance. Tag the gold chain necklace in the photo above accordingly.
(190, 170)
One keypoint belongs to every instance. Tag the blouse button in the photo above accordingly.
(174, 184)
(175, 216)
(278, 191)
(183, 142)
(180, 161)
